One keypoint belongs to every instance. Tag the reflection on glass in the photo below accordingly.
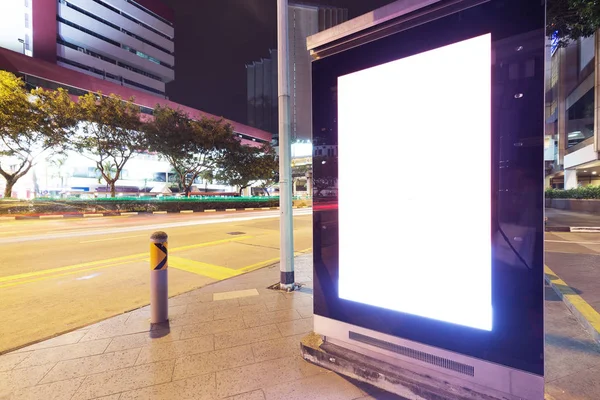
(580, 119)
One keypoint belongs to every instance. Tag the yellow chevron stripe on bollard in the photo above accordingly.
(158, 256)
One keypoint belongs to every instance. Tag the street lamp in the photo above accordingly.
(286, 222)
(23, 43)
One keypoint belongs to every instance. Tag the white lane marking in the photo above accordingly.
(204, 221)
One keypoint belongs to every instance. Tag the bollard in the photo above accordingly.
(159, 288)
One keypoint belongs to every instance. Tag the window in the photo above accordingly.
(26, 20)
(580, 119)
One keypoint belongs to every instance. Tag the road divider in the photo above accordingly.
(130, 214)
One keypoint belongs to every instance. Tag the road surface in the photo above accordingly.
(59, 275)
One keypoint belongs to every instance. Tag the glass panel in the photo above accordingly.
(580, 119)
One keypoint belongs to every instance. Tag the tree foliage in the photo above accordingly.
(32, 124)
(111, 134)
(191, 147)
(572, 19)
(244, 165)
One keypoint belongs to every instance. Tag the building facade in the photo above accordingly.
(103, 61)
(572, 120)
(127, 42)
(304, 20)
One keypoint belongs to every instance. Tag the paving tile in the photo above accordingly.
(204, 363)
(296, 327)
(144, 339)
(288, 303)
(190, 318)
(270, 317)
(166, 351)
(144, 313)
(111, 382)
(260, 375)
(62, 390)
(67, 352)
(11, 360)
(305, 312)
(578, 386)
(67, 338)
(212, 306)
(240, 311)
(253, 395)
(568, 355)
(189, 298)
(118, 327)
(236, 294)
(246, 336)
(277, 348)
(211, 327)
(91, 365)
(325, 386)
(262, 298)
(198, 388)
(22, 378)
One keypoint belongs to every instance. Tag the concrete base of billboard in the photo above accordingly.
(388, 377)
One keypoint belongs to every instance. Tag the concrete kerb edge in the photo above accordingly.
(575, 304)
(577, 229)
(118, 214)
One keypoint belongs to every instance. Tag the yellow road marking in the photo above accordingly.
(197, 246)
(586, 311)
(139, 256)
(64, 274)
(200, 268)
(113, 238)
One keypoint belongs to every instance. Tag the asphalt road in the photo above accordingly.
(59, 275)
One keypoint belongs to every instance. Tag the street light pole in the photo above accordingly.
(286, 223)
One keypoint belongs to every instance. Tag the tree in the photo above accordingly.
(572, 19)
(191, 147)
(244, 165)
(111, 134)
(31, 125)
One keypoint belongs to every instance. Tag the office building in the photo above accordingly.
(572, 125)
(304, 20)
(127, 42)
(120, 47)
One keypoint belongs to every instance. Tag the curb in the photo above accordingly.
(119, 214)
(585, 314)
(578, 229)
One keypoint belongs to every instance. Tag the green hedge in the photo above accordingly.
(107, 205)
(587, 192)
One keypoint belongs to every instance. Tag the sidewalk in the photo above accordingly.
(573, 268)
(238, 340)
(563, 221)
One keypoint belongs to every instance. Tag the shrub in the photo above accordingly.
(107, 205)
(584, 192)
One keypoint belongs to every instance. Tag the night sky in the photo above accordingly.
(215, 39)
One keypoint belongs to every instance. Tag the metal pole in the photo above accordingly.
(159, 284)
(286, 223)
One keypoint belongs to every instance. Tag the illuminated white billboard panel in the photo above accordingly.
(415, 134)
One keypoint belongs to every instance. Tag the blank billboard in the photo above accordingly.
(417, 131)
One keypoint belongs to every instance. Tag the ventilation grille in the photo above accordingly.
(415, 354)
